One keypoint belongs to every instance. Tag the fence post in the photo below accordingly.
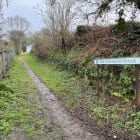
(6, 58)
(3, 60)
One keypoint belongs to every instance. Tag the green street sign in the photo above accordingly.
(118, 61)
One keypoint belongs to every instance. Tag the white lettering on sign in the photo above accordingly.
(118, 61)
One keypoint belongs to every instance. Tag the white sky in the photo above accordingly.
(24, 8)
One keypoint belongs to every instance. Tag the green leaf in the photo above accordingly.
(117, 94)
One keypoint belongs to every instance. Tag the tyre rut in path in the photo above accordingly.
(72, 129)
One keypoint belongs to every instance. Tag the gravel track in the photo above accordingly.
(72, 128)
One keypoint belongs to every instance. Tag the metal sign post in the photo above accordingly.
(125, 61)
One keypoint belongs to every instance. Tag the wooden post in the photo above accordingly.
(137, 74)
(97, 86)
(3, 60)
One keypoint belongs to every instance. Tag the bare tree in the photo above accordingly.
(17, 23)
(17, 26)
(57, 16)
(1, 16)
(99, 9)
(19, 40)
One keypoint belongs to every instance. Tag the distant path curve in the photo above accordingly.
(72, 129)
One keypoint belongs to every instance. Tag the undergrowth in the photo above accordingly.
(81, 100)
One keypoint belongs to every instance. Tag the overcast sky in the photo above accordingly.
(25, 9)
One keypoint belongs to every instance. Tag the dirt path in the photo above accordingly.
(72, 129)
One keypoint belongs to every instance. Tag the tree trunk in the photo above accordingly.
(63, 45)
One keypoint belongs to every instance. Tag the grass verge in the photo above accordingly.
(22, 115)
(82, 101)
